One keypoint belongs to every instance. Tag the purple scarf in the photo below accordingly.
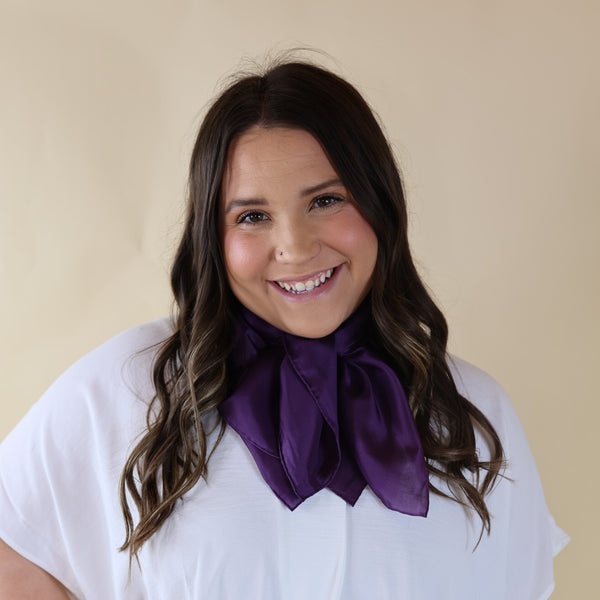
(326, 412)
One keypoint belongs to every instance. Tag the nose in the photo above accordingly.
(296, 243)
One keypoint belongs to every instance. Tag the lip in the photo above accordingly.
(312, 275)
(307, 295)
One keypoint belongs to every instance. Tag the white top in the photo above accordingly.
(231, 538)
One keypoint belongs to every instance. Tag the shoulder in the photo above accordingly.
(483, 391)
(486, 394)
(107, 390)
(125, 360)
(141, 342)
(473, 381)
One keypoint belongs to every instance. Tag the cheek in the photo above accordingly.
(245, 255)
(358, 239)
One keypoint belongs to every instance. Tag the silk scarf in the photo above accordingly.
(324, 413)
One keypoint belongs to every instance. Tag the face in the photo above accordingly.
(298, 251)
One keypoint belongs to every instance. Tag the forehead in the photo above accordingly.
(277, 155)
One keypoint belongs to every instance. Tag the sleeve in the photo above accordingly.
(524, 537)
(60, 467)
(42, 486)
(534, 537)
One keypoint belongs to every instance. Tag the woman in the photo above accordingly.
(297, 430)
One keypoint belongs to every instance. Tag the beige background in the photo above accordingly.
(492, 108)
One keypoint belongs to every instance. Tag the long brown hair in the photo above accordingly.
(190, 373)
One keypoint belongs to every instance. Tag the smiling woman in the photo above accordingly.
(297, 429)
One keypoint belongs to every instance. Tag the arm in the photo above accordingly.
(20, 579)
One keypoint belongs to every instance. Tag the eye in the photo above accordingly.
(252, 217)
(327, 200)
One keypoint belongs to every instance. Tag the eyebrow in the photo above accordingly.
(244, 202)
(321, 186)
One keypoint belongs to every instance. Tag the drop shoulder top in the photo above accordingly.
(230, 537)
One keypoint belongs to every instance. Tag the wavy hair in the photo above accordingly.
(190, 371)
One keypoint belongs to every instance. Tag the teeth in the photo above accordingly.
(305, 286)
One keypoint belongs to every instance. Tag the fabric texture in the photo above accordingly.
(231, 537)
(325, 412)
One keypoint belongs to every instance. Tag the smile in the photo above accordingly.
(302, 287)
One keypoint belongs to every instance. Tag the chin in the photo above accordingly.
(311, 329)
